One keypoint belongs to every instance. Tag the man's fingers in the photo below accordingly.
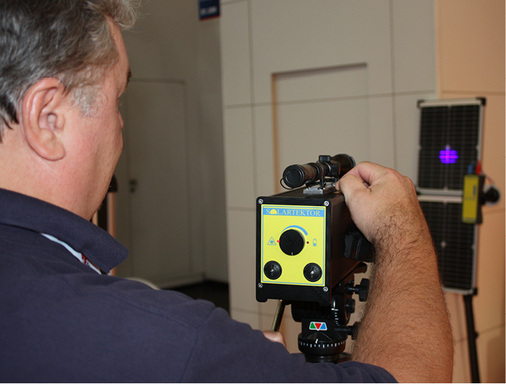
(350, 184)
(276, 337)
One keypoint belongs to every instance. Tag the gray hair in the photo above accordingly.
(65, 39)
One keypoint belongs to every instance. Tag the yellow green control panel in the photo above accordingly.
(292, 249)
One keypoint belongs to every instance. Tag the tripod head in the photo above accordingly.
(308, 252)
(325, 329)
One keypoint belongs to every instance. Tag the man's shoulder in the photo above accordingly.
(104, 321)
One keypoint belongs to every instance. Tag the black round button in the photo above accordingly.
(312, 272)
(272, 270)
(291, 242)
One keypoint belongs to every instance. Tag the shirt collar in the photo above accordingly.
(23, 211)
(78, 255)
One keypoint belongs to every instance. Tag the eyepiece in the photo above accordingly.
(339, 164)
(297, 175)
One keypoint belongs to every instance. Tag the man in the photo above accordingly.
(63, 66)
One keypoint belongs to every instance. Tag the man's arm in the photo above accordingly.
(406, 329)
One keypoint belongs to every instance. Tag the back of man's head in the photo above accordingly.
(65, 39)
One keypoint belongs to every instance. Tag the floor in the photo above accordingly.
(215, 292)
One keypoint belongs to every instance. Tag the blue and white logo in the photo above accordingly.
(300, 212)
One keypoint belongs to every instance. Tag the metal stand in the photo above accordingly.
(472, 335)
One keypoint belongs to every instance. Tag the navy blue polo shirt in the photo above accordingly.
(61, 321)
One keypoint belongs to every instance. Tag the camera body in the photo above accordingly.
(308, 251)
(306, 244)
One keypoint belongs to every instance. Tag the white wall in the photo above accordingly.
(303, 78)
(169, 45)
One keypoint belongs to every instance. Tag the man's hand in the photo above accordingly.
(383, 204)
(406, 329)
(276, 337)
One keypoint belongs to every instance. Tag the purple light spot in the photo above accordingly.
(448, 156)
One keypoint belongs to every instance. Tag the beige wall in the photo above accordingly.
(470, 62)
(347, 76)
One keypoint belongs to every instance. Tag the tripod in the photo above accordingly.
(324, 328)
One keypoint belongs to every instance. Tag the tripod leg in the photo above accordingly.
(471, 338)
(278, 316)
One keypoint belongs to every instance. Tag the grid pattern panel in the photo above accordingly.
(463, 137)
(454, 243)
(449, 139)
(433, 137)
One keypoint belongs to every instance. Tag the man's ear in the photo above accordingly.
(43, 118)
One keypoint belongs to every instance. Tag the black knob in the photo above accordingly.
(312, 272)
(350, 306)
(357, 247)
(291, 242)
(492, 195)
(363, 290)
(353, 330)
(272, 270)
